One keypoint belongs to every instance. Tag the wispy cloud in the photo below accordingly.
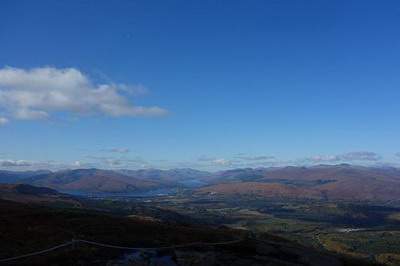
(37, 93)
(255, 158)
(360, 156)
(215, 161)
(345, 157)
(239, 160)
(117, 150)
(112, 162)
(14, 163)
(120, 160)
(23, 165)
(222, 162)
(243, 160)
(206, 159)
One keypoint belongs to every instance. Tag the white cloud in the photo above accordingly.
(360, 156)
(239, 160)
(25, 165)
(36, 93)
(137, 90)
(346, 157)
(215, 161)
(14, 163)
(3, 121)
(323, 158)
(121, 162)
(255, 158)
(223, 162)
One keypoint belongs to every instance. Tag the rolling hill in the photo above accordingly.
(337, 182)
(30, 194)
(90, 181)
(107, 181)
(168, 177)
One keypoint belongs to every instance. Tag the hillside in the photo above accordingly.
(171, 175)
(15, 176)
(90, 181)
(29, 194)
(343, 182)
(100, 181)
(26, 229)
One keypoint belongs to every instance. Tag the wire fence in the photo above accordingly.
(38, 252)
(75, 241)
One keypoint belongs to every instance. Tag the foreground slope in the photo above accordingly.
(25, 229)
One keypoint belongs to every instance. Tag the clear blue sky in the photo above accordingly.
(236, 81)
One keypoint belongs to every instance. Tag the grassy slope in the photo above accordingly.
(24, 229)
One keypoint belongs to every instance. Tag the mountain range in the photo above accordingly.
(345, 182)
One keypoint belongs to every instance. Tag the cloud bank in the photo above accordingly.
(242, 160)
(255, 158)
(14, 163)
(37, 93)
(346, 157)
(238, 161)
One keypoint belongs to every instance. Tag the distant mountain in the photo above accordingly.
(343, 182)
(167, 176)
(100, 181)
(24, 193)
(15, 176)
(90, 181)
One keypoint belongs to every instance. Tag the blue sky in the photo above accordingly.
(203, 84)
